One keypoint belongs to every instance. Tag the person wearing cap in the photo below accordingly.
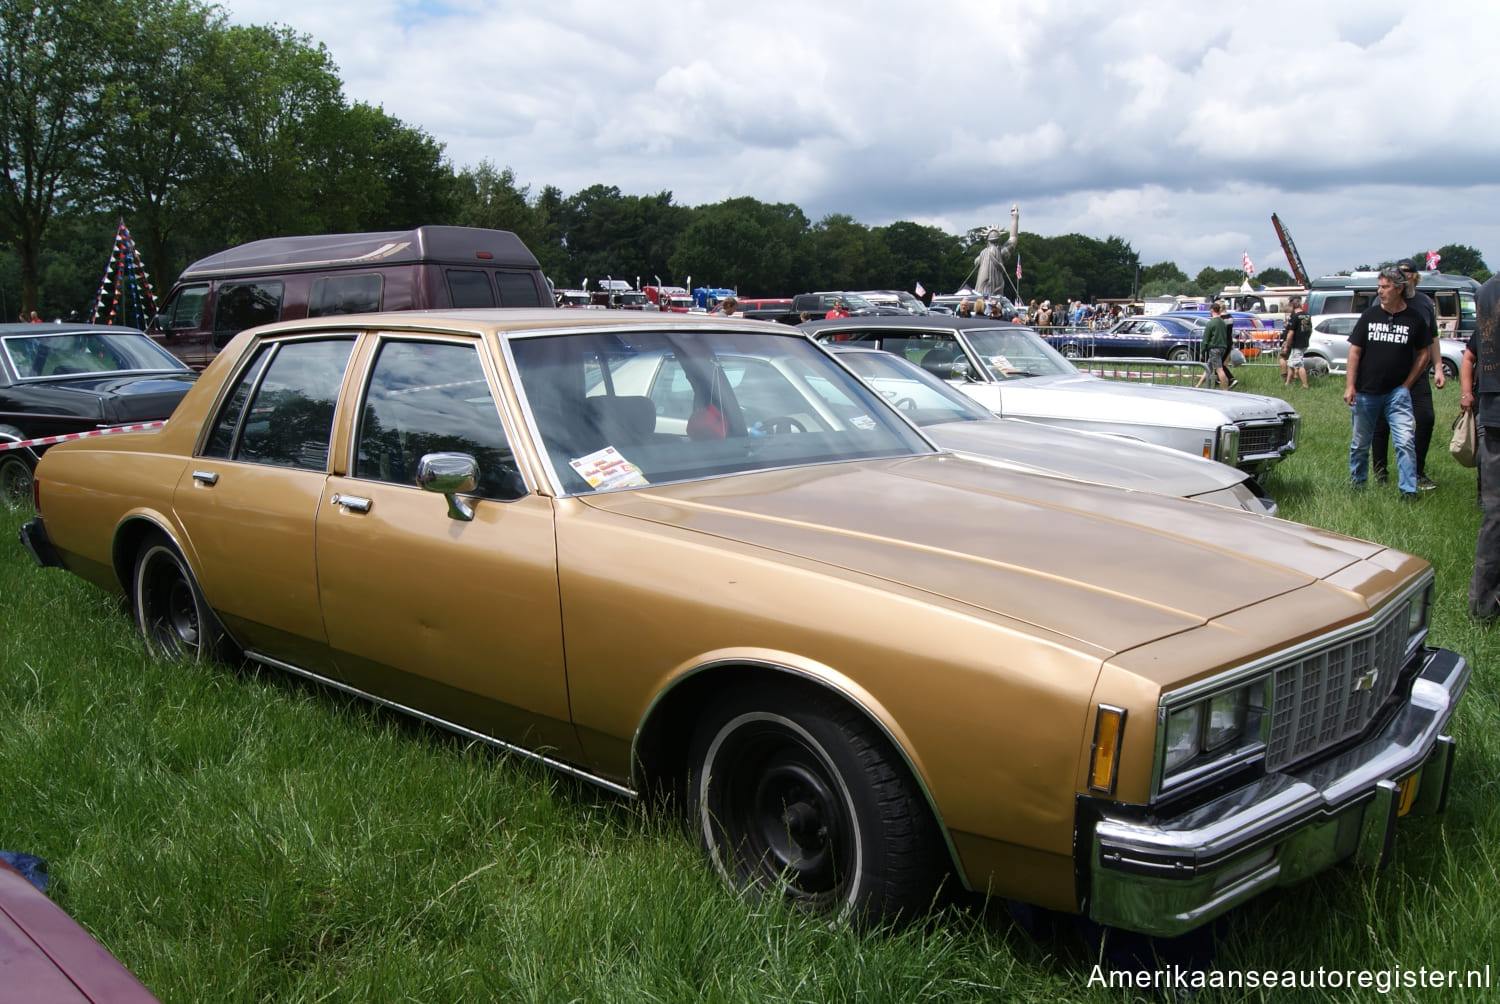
(1421, 391)
(1481, 394)
(1298, 335)
(1388, 351)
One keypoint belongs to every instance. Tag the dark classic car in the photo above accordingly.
(863, 663)
(57, 379)
(1161, 337)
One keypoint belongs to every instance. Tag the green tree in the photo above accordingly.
(846, 254)
(1211, 281)
(745, 244)
(920, 254)
(160, 117)
(1166, 273)
(370, 171)
(1457, 259)
(49, 115)
(1275, 277)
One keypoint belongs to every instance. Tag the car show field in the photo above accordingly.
(273, 769)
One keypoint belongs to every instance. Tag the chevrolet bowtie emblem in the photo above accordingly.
(1366, 681)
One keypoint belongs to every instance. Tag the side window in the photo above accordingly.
(186, 309)
(432, 397)
(470, 288)
(280, 412)
(242, 305)
(517, 289)
(344, 294)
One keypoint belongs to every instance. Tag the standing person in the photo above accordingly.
(1387, 356)
(1298, 335)
(1216, 343)
(1480, 382)
(839, 310)
(1421, 391)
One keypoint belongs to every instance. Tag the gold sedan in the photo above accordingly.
(862, 662)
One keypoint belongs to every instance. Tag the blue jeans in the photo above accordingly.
(1396, 407)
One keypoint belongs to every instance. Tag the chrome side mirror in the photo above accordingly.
(450, 475)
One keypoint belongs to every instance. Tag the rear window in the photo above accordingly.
(518, 289)
(470, 288)
(345, 294)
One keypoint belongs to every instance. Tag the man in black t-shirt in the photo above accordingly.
(1421, 391)
(1387, 355)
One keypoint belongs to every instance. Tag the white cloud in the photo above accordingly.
(1178, 126)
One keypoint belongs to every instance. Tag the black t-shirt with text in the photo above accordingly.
(1388, 347)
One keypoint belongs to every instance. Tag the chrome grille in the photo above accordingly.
(1327, 696)
(1262, 440)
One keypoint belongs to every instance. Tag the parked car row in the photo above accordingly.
(1328, 348)
(1012, 372)
(692, 554)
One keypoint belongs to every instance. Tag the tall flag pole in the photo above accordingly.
(1249, 268)
(125, 287)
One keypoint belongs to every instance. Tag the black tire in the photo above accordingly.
(795, 794)
(1072, 350)
(15, 480)
(1450, 372)
(173, 617)
(1180, 354)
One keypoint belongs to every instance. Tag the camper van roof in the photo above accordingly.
(456, 245)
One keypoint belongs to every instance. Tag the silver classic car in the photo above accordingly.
(957, 422)
(1011, 371)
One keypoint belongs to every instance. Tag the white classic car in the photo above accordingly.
(1012, 372)
(957, 422)
(1328, 348)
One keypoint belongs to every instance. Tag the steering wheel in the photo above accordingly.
(906, 403)
(780, 424)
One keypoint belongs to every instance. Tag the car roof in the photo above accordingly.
(511, 321)
(935, 322)
(39, 330)
(366, 250)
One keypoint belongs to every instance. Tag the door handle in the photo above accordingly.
(206, 477)
(351, 502)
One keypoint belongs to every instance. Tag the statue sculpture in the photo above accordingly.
(991, 260)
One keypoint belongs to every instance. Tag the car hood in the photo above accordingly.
(1103, 567)
(1061, 396)
(128, 397)
(1086, 456)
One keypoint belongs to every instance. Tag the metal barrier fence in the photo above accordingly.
(1186, 372)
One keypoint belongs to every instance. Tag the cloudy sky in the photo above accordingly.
(1179, 125)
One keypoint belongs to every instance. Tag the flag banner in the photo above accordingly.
(1432, 260)
(1249, 268)
(1018, 268)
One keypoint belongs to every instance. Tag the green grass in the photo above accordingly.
(234, 835)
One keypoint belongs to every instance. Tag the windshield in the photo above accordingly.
(668, 406)
(923, 398)
(90, 352)
(1012, 352)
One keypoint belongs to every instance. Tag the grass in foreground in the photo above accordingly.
(233, 835)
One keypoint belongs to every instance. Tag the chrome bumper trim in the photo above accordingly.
(1168, 875)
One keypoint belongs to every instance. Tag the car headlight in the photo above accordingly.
(1183, 736)
(1228, 445)
(1209, 731)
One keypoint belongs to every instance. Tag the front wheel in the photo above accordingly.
(797, 795)
(1450, 372)
(15, 481)
(173, 617)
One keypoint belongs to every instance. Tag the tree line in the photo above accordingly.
(201, 134)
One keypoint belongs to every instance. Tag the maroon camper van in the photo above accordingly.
(284, 278)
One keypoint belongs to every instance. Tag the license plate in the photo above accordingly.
(1407, 787)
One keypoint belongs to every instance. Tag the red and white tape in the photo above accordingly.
(69, 437)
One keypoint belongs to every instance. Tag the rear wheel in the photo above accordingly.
(1180, 354)
(15, 481)
(797, 795)
(173, 617)
(1072, 350)
(1450, 372)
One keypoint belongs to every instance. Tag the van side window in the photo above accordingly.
(280, 412)
(244, 305)
(345, 294)
(469, 288)
(186, 309)
(517, 289)
(432, 398)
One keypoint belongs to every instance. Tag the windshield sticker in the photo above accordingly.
(606, 468)
(864, 423)
(1003, 364)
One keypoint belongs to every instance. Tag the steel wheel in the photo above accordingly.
(15, 482)
(796, 795)
(174, 619)
(1180, 354)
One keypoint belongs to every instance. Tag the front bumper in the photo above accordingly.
(1168, 875)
